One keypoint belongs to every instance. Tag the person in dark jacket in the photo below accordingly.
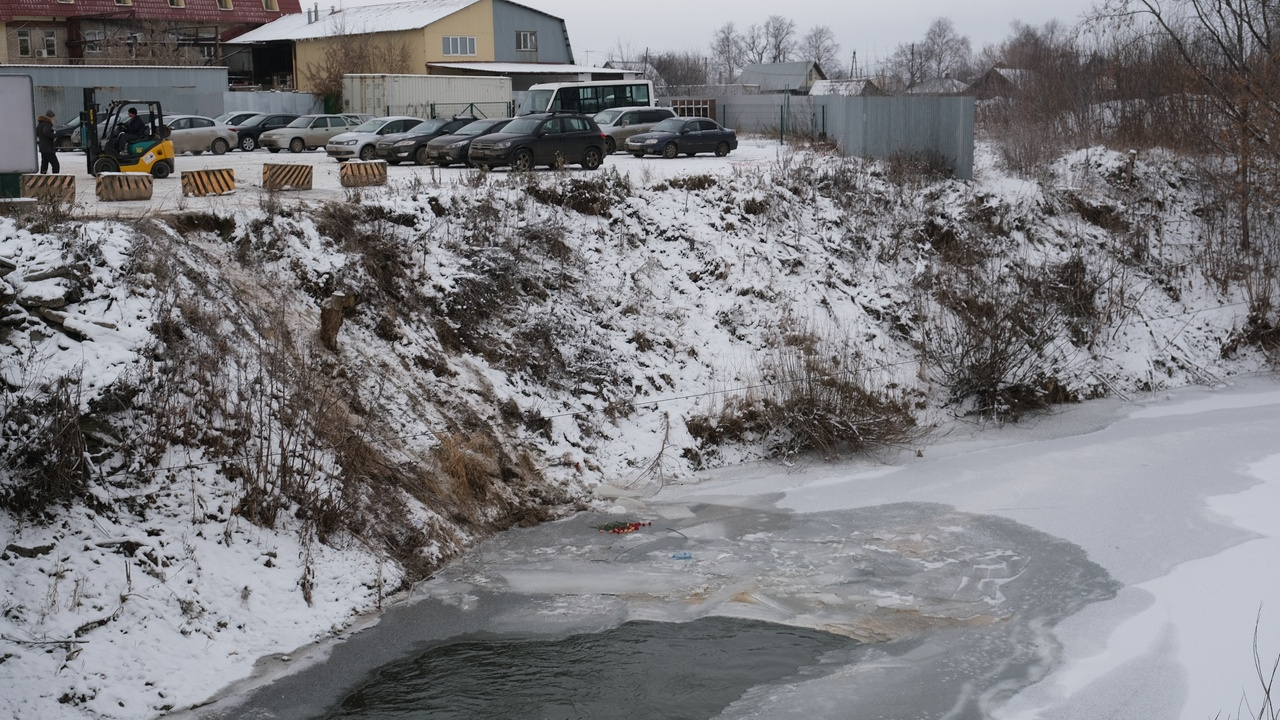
(44, 142)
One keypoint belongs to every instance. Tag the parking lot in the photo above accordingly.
(167, 194)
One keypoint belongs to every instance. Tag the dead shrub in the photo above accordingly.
(989, 343)
(816, 396)
(925, 166)
(595, 195)
(43, 445)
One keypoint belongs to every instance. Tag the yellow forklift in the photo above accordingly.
(150, 151)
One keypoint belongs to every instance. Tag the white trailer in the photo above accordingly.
(427, 96)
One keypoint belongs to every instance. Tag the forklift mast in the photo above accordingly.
(89, 127)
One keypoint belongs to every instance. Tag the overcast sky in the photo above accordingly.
(873, 29)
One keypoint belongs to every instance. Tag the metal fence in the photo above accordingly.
(874, 127)
(298, 103)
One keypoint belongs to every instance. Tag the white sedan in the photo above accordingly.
(196, 133)
(362, 140)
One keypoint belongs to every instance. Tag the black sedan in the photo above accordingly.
(449, 149)
(688, 135)
(412, 145)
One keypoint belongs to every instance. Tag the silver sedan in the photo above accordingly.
(197, 133)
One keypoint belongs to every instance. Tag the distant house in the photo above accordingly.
(128, 32)
(1000, 81)
(939, 86)
(851, 87)
(436, 36)
(794, 77)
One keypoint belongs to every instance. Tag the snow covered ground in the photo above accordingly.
(1173, 498)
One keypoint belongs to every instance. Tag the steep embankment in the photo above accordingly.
(194, 479)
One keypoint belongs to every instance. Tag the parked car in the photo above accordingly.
(358, 118)
(412, 145)
(618, 124)
(235, 118)
(688, 135)
(307, 132)
(449, 149)
(362, 140)
(196, 133)
(248, 132)
(67, 136)
(553, 139)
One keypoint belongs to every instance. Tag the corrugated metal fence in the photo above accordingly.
(875, 127)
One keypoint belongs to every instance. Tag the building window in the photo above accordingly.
(93, 40)
(51, 43)
(459, 45)
(124, 2)
(270, 5)
(225, 5)
(526, 41)
(177, 3)
(24, 43)
(67, 2)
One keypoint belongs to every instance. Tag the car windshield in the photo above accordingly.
(669, 125)
(606, 117)
(479, 127)
(370, 126)
(428, 126)
(304, 121)
(522, 126)
(535, 101)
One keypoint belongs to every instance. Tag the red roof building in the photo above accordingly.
(153, 32)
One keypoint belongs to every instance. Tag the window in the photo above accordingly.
(200, 122)
(24, 43)
(224, 5)
(270, 5)
(177, 3)
(51, 43)
(67, 2)
(526, 41)
(93, 40)
(454, 45)
(124, 2)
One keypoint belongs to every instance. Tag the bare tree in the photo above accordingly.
(1230, 46)
(754, 46)
(820, 46)
(726, 53)
(681, 68)
(780, 38)
(946, 52)
(350, 53)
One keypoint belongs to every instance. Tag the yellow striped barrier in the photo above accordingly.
(212, 181)
(61, 188)
(123, 186)
(278, 176)
(362, 173)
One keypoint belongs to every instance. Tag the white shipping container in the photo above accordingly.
(426, 96)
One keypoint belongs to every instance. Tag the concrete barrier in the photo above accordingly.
(61, 188)
(213, 181)
(278, 176)
(362, 173)
(123, 186)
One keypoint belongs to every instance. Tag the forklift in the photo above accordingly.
(151, 152)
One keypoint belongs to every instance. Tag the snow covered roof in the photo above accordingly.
(388, 17)
(849, 87)
(781, 76)
(506, 68)
(939, 86)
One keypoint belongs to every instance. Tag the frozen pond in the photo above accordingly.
(857, 609)
(1099, 562)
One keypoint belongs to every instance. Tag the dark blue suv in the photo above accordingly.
(553, 139)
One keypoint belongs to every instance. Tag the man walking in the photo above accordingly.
(44, 142)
